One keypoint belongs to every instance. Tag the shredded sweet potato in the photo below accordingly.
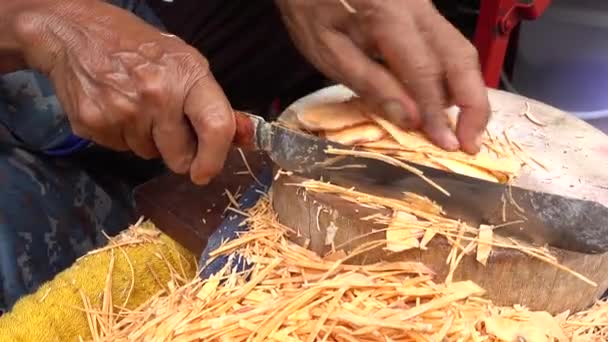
(294, 295)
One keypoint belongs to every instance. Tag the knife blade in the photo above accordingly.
(545, 219)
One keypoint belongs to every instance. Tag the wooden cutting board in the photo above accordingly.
(576, 158)
(190, 213)
(510, 277)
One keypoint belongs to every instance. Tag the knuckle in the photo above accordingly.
(88, 117)
(153, 88)
(426, 70)
(215, 122)
(371, 8)
(129, 117)
(192, 68)
(151, 50)
(126, 114)
(470, 53)
(191, 60)
(151, 82)
(467, 60)
(223, 127)
(117, 106)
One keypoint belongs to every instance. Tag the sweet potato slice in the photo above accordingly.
(333, 116)
(409, 140)
(365, 133)
(463, 168)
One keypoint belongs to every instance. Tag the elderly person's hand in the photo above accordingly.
(126, 85)
(428, 65)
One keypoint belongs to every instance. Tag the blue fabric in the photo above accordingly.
(30, 113)
(230, 228)
(71, 145)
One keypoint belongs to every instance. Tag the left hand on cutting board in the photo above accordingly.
(428, 65)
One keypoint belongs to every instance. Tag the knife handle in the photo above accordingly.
(246, 128)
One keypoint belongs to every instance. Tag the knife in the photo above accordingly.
(544, 219)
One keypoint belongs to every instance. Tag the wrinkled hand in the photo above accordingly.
(428, 64)
(127, 86)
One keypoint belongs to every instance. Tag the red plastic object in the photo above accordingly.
(497, 19)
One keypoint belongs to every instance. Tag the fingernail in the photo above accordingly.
(200, 181)
(451, 142)
(395, 113)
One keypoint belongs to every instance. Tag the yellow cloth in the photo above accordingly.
(54, 312)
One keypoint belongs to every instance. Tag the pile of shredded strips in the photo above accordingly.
(292, 294)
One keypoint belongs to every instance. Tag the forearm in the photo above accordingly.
(31, 31)
(11, 45)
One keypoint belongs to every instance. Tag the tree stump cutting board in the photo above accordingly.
(577, 158)
(510, 277)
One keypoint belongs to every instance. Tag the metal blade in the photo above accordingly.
(562, 222)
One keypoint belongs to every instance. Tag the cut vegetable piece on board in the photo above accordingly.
(409, 140)
(333, 116)
(355, 135)
(484, 161)
(484, 245)
(544, 328)
(400, 237)
(464, 169)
